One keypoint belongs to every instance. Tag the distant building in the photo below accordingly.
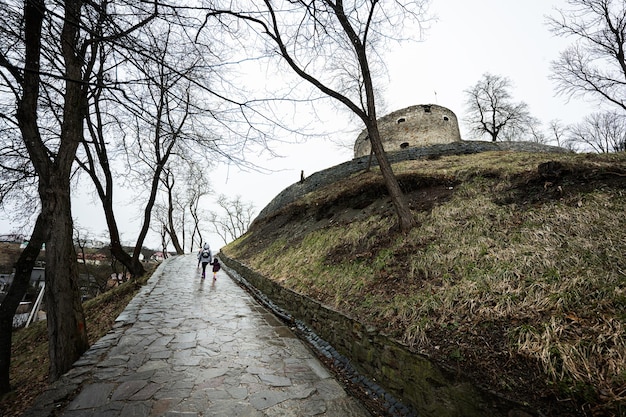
(94, 258)
(157, 256)
(37, 278)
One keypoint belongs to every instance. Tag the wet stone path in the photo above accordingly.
(191, 347)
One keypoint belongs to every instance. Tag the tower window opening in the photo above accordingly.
(445, 118)
(401, 120)
(404, 145)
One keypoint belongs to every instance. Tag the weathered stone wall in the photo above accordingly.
(338, 172)
(410, 377)
(414, 126)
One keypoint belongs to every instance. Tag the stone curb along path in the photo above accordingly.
(191, 347)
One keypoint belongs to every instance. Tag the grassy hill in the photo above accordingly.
(515, 274)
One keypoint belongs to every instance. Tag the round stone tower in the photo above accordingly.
(415, 126)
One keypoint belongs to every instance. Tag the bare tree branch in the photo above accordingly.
(595, 65)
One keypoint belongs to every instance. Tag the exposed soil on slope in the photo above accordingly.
(478, 350)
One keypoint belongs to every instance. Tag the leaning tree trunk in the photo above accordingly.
(170, 220)
(23, 270)
(405, 217)
(400, 204)
(117, 250)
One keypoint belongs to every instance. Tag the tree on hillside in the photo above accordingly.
(492, 112)
(558, 132)
(595, 65)
(332, 45)
(66, 322)
(18, 183)
(535, 132)
(95, 160)
(601, 132)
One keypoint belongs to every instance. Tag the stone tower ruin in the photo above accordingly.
(415, 126)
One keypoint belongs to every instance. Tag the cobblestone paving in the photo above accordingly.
(191, 347)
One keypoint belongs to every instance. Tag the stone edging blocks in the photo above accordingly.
(387, 369)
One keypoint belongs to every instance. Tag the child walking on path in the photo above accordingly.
(216, 267)
(205, 257)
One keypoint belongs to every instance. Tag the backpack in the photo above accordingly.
(206, 254)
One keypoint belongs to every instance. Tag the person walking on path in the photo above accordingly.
(178, 351)
(216, 267)
(205, 257)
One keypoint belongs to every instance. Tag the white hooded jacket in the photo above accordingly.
(202, 259)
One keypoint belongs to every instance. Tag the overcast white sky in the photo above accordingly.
(469, 38)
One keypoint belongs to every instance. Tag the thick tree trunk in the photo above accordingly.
(66, 324)
(23, 270)
(67, 333)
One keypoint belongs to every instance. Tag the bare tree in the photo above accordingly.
(166, 116)
(164, 241)
(234, 220)
(331, 45)
(18, 185)
(198, 188)
(595, 64)
(535, 131)
(94, 277)
(184, 184)
(157, 99)
(49, 66)
(96, 161)
(601, 132)
(65, 318)
(170, 226)
(492, 112)
(558, 132)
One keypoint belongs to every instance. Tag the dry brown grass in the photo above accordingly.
(531, 267)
